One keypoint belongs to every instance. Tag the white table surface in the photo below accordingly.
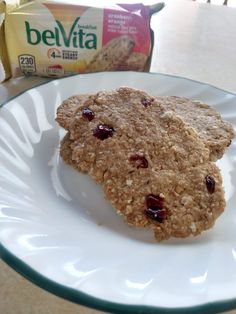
(192, 40)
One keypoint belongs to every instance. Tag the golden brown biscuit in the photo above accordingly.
(154, 168)
(172, 203)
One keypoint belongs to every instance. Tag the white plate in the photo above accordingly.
(57, 229)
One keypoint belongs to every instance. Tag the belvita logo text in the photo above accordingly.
(76, 37)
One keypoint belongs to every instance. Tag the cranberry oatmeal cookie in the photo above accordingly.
(215, 132)
(164, 200)
(154, 168)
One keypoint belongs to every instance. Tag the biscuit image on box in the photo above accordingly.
(114, 53)
(135, 62)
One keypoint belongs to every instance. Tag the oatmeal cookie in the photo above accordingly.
(215, 132)
(153, 167)
(172, 203)
(126, 120)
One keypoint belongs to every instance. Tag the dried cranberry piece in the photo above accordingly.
(146, 102)
(103, 131)
(210, 184)
(158, 215)
(139, 160)
(88, 114)
(154, 201)
(155, 207)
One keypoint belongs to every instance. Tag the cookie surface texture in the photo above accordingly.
(215, 132)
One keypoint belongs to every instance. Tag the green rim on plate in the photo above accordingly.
(100, 304)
